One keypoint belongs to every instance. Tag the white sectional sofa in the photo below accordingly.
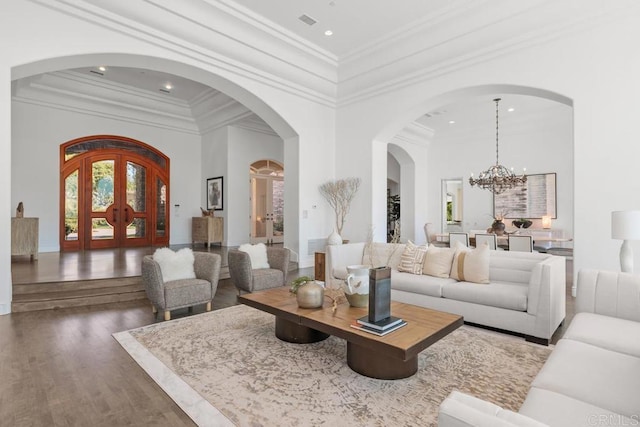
(592, 377)
(526, 293)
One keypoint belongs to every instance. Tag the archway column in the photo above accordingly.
(5, 192)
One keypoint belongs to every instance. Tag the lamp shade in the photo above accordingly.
(625, 225)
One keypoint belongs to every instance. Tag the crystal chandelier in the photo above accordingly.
(498, 178)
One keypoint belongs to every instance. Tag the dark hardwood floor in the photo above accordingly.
(63, 368)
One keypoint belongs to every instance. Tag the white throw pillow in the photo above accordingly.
(471, 265)
(175, 265)
(437, 261)
(412, 258)
(257, 254)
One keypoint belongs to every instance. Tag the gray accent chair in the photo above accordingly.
(250, 280)
(182, 293)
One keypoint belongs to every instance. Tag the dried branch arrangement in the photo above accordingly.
(340, 194)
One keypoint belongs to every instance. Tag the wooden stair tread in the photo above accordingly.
(78, 293)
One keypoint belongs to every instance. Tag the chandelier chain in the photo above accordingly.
(497, 100)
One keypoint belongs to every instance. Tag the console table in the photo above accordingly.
(207, 229)
(24, 237)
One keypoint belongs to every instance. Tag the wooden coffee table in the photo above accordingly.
(389, 357)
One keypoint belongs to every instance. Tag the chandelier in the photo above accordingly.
(498, 178)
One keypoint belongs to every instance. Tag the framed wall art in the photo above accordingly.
(214, 194)
(535, 199)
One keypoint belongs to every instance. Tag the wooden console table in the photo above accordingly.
(24, 237)
(207, 229)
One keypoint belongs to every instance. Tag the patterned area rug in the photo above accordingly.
(230, 361)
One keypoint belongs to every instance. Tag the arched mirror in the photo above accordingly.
(452, 203)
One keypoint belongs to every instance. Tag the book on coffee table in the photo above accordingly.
(381, 325)
(364, 328)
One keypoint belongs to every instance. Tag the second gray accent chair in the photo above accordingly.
(247, 279)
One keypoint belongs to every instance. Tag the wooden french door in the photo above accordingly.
(113, 198)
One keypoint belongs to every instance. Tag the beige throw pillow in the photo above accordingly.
(437, 261)
(412, 258)
(471, 265)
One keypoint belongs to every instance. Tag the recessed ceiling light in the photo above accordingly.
(511, 109)
(328, 33)
(102, 68)
(168, 86)
(451, 122)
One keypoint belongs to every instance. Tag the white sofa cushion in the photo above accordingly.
(471, 265)
(594, 375)
(437, 261)
(418, 284)
(512, 296)
(606, 332)
(559, 410)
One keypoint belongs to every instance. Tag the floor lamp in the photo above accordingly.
(625, 226)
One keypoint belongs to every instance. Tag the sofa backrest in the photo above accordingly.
(609, 293)
(515, 267)
(382, 254)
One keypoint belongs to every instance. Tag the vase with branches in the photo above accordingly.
(339, 194)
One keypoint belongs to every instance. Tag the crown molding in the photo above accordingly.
(415, 134)
(238, 48)
(412, 61)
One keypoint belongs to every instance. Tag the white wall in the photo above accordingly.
(601, 81)
(37, 133)
(54, 40)
(541, 144)
(244, 148)
(215, 153)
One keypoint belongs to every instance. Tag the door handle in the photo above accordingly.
(126, 215)
(115, 215)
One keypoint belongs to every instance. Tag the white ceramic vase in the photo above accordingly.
(334, 238)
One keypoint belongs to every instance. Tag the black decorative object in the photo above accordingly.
(379, 294)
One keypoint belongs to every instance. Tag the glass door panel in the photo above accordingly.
(135, 206)
(71, 206)
(161, 208)
(103, 212)
(267, 209)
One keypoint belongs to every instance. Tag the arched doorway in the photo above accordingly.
(267, 202)
(113, 193)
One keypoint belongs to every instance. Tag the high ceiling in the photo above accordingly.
(354, 23)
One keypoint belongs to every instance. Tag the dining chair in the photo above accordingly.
(490, 239)
(432, 239)
(458, 237)
(520, 243)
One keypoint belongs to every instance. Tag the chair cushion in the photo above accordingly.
(512, 296)
(175, 265)
(437, 261)
(186, 292)
(257, 254)
(471, 265)
(266, 278)
(412, 258)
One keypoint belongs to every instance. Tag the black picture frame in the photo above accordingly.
(537, 198)
(214, 193)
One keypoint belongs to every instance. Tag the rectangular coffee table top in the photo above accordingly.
(424, 326)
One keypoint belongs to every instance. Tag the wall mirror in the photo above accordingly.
(452, 203)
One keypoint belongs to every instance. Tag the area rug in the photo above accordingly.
(227, 368)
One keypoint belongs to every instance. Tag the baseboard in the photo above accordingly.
(5, 308)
